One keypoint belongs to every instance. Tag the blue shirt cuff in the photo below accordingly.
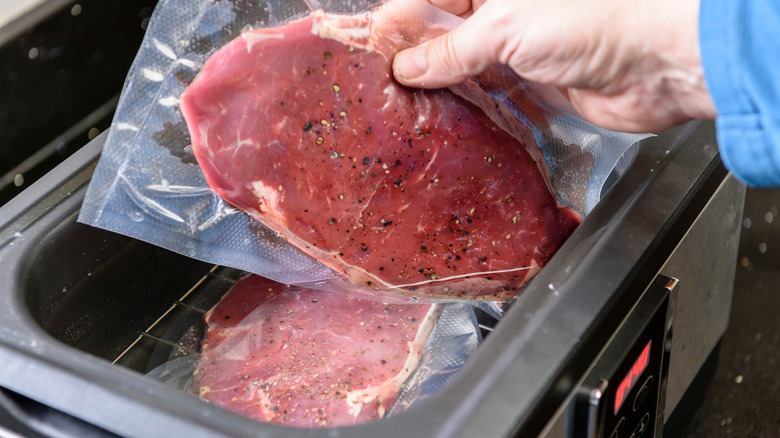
(741, 61)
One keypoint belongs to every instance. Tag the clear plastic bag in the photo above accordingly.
(453, 338)
(148, 186)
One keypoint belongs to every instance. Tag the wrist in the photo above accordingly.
(670, 29)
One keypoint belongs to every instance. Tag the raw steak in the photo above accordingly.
(413, 191)
(308, 358)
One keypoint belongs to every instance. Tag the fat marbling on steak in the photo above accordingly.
(308, 358)
(407, 190)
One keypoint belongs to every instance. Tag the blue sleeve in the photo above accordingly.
(740, 49)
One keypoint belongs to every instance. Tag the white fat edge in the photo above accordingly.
(276, 222)
(423, 103)
(534, 265)
(421, 339)
(473, 276)
(360, 275)
(328, 28)
(271, 197)
(278, 225)
(356, 399)
(531, 270)
(331, 259)
(254, 37)
(391, 93)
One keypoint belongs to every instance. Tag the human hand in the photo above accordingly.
(626, 66)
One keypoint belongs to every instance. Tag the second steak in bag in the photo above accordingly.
(309, 358)
(403, 190)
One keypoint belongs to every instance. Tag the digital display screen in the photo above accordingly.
(628, 382)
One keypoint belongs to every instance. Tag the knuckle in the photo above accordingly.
(446, 55)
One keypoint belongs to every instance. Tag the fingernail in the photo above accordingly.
(411, 63)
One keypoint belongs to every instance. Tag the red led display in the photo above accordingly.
(628, 382)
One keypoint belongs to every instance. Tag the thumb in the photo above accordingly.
(451, 58)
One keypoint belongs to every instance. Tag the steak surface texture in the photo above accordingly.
(411, 191)
(308, 358)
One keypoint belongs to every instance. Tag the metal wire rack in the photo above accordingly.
(179, 331)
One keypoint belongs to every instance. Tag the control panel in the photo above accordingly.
(621, 395)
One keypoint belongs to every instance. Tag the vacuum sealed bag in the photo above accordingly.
(352, 179)
(314, 358)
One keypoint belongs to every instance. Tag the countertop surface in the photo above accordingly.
(743, 399)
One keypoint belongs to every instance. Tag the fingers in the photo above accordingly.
(626, 112)
(451, 58)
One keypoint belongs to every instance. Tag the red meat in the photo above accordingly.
(308, 358)
(412, 191)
